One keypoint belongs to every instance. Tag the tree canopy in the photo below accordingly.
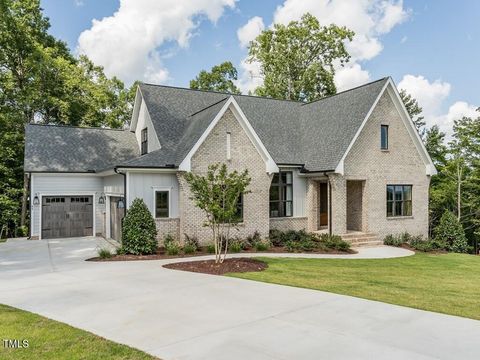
(42, 82)
(297, 61)
(220, 78)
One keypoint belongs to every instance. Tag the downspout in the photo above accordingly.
(30, 205)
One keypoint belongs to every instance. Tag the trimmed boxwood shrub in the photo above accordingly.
(449, 230)
(139, 231)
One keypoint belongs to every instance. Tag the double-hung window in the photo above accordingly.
(281, 195)
(399, 200)
(144, 141)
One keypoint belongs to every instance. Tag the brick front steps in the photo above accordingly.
(361, 239)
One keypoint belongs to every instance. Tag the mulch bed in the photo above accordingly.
(161, 255)
(233, 265)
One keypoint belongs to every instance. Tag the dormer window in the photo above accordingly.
(384, 137)
(144, 141)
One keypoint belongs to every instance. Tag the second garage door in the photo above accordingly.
(67, 216)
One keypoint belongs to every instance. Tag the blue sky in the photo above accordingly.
(428, 47)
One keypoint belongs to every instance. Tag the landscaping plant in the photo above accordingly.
(138, 230)
(450, 231)
(217, 193)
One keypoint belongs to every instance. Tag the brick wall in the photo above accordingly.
(401, 164)
(167, 226)
(244, 155)
(289, 223)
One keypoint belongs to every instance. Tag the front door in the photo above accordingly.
(323, 206)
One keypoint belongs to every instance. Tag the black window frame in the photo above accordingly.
(399, 207)
(144, 141)
(281, 203)
(382, 145)
(167, 205)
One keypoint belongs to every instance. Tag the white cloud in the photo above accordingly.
(370, 19)
(250, 30)
(350, 76)
(431, 96)
(127, 43)
(250, 76)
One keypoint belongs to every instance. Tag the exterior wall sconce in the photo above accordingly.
(101, 199)
(121, 203)
(36, 200)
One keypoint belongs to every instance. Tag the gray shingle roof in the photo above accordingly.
(73, 149)
(315, 134)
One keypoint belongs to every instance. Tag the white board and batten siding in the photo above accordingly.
(299, 194)
(143, 122)
(143, 185)
(65, 184)
(113, 185)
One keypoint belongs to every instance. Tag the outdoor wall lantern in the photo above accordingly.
(101, 199)
(121, 204)
(36, 200)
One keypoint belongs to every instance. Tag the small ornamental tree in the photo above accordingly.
(217, 194)
(139, 231)
(450, 230)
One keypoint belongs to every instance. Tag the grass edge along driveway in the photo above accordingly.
(49, 339)
(444, 283)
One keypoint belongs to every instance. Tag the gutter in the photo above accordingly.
(329, 204)
(30, 205)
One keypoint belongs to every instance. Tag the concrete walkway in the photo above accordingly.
(182, 315)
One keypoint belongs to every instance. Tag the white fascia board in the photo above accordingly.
(136, 109)
(231, 104)
(397, 101)
(340, 169)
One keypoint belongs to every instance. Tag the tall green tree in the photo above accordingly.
(414, 110)
(297, 60)
(40, 81)
(220, 78)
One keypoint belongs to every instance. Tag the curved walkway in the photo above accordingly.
(377, 252)
(185, 315)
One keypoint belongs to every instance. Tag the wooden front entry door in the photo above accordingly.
(116, 216)
(67, 216)
(323, 206)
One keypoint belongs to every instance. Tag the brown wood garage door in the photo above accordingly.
(67, 216)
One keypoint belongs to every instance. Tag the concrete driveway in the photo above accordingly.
(181, 315)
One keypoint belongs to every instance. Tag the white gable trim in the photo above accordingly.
(231, 104)
(136, 109)
(397, 101)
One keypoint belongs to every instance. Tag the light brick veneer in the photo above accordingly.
(167, 226)
(401, 164)
(289, 223)
(244, 155)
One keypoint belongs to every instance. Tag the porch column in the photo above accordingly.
(312, 205)
(338, 204)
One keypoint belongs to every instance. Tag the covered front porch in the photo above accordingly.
(336, 205)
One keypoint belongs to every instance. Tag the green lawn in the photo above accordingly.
(50, 339)
(447, 283)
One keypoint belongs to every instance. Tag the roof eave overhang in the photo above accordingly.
(231, 103)
(397, 100)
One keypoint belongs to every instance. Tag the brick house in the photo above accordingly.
(350, 164)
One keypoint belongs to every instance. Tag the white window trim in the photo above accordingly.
(162, 188)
